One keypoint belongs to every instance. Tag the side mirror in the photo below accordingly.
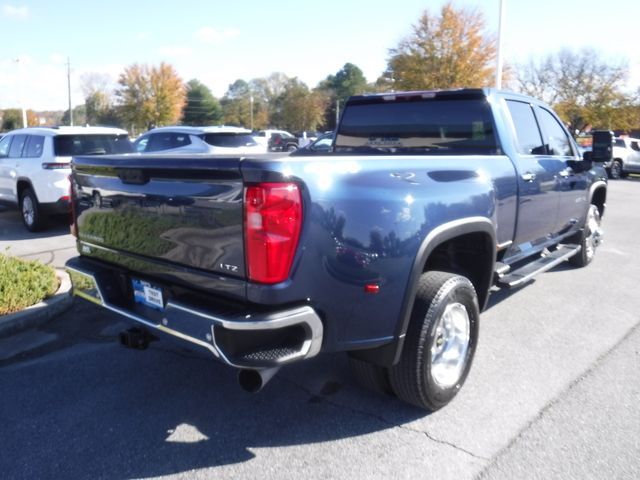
(602, 150)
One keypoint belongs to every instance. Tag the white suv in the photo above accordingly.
(35, 164)
(626, 158)
(214, 140)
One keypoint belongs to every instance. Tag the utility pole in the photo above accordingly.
(21, 93)
(69, 90)
(503, 5)
(337, 113)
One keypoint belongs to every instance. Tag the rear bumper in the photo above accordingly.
(238, 337)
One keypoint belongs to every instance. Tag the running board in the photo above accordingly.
(547, 261)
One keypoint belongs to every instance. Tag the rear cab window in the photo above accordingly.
(442, 124)
(95, 144)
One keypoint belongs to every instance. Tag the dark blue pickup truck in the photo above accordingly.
(386, 247)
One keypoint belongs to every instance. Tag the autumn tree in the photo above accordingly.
(449, 50)
(150, 96)
(201, 107)
(582, 88)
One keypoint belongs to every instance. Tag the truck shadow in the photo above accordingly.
(106, 412)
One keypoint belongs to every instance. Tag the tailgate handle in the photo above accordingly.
(134, 176)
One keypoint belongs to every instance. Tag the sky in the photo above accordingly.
(218, 41)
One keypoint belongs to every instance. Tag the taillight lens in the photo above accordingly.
(272, 221)
(56, 166)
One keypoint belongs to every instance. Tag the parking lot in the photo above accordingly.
(553, 393)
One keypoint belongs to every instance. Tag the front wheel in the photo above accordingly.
(591, 238)
(440, 343)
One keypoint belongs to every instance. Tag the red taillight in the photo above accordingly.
(55, 166)
(272, 220)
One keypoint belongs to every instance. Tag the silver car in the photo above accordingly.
(214, 139)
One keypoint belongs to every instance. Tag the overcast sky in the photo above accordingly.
(218, 41)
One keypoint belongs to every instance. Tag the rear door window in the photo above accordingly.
(441, 125)
(166, 141)
(229, 139)
(527, 131)
(17, 146)
(99, 144)
(555, 136)
(35, 146)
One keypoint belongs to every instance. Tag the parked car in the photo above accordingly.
(626, 158)
(213, 139)
(35, 166)
(322, 144)
(264, 137)
(283, 142)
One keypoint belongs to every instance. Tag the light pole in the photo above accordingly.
(503, 5)
(21, 93)
(69, 90)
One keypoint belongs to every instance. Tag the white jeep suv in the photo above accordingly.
(35, 164)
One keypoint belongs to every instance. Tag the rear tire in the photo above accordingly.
(31, 211)
(370, 376)
(590, 239)
(440, 342)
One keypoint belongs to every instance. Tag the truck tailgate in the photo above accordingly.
(179, 212)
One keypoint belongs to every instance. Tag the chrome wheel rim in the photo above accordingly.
(592, 239)
(27, 210)
(450, 345)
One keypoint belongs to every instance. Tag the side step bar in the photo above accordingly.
(547, 261)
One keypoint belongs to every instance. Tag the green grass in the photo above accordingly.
(24, 283)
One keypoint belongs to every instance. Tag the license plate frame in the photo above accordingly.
(147, 294)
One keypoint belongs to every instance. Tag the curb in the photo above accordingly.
(40, 313)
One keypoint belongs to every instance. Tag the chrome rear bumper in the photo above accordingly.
(243, 340)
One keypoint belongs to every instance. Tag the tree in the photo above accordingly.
(451, 50)
(201, 107)
(348, 81)
(150, 96)
(583, 89)
(301, 108)
(79, 116)
(11, 119)
(98, 99)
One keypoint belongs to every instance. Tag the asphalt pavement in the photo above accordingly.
(554, 393)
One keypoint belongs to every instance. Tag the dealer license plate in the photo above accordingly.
(147, 294)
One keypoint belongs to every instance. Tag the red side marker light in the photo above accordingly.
(371, 288)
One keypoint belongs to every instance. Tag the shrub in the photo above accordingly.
(24, 283)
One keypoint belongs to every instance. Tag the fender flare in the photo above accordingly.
(389, 354)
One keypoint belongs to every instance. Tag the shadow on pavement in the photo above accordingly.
(105, 412)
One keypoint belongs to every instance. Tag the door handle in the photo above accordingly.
(567, 172)
(528, 177)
